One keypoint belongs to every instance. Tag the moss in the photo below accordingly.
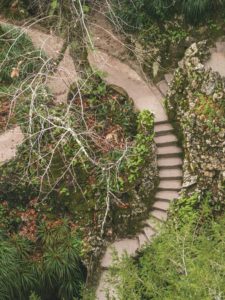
(195, 103)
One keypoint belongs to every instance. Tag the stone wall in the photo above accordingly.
(196, 105)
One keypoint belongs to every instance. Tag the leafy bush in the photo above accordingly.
(137, 13)
(17, 52)
(143, 142)
(195, 10)
(50, 269)
(59, 270)
(16, 276)
(185, 261)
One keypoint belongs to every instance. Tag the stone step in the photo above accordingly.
(163, 129)
(168, 77)
(105, 289)
(161, 205)
(165, 140)
(164, 132)
(170, 174)
(169, 151)
(169, 162)
(160, 122)
(163, 126)
(129, 246)
(9, 141)
(159, 214)
(149, 232)
(142, 239)
(167, 195)
(153, 223)
(170, 185)
(163, 87)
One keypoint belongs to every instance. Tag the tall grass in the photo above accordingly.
(185, 261)
(50, 269)
(197, 10)
(137, 13)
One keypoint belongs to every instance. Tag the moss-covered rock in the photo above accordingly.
(196, 103)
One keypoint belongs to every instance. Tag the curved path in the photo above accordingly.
(144, 97)
(168, 158)
(58, 83)
(217, 59)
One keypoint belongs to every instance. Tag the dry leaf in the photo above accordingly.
(15, 72)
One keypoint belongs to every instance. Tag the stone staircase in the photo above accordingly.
(169, 155)
(169, 160)
(9, 141)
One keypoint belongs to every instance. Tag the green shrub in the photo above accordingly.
(49, 269)
(137, 14)
(143, 142)
(17, 51)
(183, 262)
(59, 270)
(196, 10)
(16, 276)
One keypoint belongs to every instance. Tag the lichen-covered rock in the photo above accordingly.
(196, 104)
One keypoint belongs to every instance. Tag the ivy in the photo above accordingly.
(143, 145)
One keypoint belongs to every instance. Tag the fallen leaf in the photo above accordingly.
(15, 73)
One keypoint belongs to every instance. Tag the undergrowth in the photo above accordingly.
(159, 32)
(83, 161)
(185, 261)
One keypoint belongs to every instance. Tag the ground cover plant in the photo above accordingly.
(19, 64)
(49, 268)
(185, 261)
(193, 11)
(159, 32)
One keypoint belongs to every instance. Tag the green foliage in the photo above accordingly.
(185, 261)
(59, 269)
(51, 269)
(189, 210)
(143, 141)
(16, 276)
(16, 9)
(137, 14)
(34, 296)
(53, 6)
(196, 10)
(176, 34)
(12, 55)
(210, 111)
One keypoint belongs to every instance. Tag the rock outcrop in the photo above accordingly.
(196, 103)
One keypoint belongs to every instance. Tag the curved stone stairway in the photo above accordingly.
(145, 97)
(168, 158)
